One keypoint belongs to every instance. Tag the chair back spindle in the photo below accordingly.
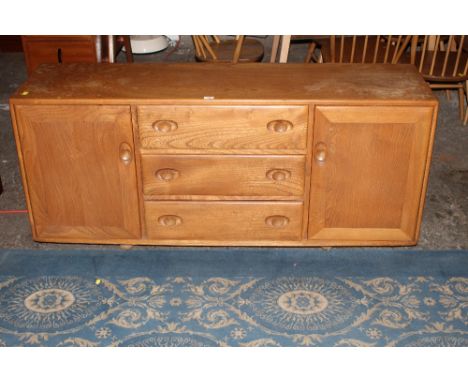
(440, 58)
(214, 49)
(367, 49)
(443, 62)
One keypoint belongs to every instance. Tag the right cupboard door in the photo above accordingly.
(368, 171)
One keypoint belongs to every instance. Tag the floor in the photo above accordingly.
(445, 219)
(234, 297)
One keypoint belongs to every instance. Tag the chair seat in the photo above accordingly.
(252, 51)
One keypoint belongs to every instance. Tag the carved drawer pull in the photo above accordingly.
(125, 153)
(278, 174)
(167, 174)
(279, 125)
(169, 220)
(165, 125)
(320, 153)
(277, 221)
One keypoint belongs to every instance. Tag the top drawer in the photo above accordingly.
(223, 128)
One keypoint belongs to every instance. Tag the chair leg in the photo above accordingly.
(274, 48)
(128, 48)
(465, 121)
(310, 52)
(461, 102)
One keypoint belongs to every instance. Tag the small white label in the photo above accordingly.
(208, 97)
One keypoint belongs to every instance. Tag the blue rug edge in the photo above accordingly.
(235, 261)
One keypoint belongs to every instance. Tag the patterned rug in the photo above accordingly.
(234, 297)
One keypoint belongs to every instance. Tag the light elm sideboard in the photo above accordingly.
(221, 154)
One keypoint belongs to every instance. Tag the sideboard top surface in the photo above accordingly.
(225, 82)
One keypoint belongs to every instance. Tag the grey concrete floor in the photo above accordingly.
(445, 219)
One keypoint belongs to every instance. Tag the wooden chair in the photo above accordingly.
(286, 41)
(359, 49)
(112, 45)
(443, 62)
(236, 50)
(124, 42)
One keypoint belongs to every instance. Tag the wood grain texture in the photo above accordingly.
(189, 82)
(223, 175)
(79, 187)
(367, 172)
(218, 128)
(224, 221)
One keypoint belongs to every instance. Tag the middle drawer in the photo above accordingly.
(224, 175)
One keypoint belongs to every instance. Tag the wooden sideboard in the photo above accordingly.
(222, 154)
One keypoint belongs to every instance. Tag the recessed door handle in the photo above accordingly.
(320, 153)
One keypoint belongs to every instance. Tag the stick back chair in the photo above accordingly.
(359, 49)
(234, 50)
(443, 62)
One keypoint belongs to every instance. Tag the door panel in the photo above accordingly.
(367, 172)
(80, 171)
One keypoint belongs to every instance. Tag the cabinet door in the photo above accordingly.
(80, 171)
(368, 171)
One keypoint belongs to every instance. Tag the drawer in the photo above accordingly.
(223, 128)
(55, 50)
(224, 175)
(224, 220)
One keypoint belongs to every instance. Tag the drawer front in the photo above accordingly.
(218, 128)
(224, 220)
(55, 51)
(223, 175)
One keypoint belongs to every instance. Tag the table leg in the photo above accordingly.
(285, 42)
(111, 48)
(274, 48)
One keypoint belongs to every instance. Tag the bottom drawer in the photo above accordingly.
(224, 220)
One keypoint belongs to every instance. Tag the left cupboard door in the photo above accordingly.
(79, 165)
